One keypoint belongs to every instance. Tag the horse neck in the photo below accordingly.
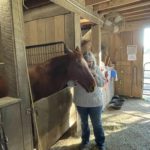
(57, 68)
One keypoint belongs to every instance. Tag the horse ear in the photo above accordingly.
(78, 49)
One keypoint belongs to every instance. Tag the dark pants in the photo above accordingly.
(95, 116)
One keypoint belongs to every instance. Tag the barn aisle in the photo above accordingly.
(126, 129)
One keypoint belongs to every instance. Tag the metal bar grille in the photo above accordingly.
(37, 54)
(146, 81)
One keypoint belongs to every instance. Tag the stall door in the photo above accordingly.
(130, 73)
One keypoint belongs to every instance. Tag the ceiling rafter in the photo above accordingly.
(35, 3)
(94, 2)
(137, 19)
(129, 8)
(117, 4)
(136, 12)
(135, 9)
(139, 15)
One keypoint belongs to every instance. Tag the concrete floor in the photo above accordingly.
(125, 129)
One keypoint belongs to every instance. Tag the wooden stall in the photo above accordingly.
(13, 56)
(63, 27)
(58, 110)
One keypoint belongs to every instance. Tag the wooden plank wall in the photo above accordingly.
(130, 74)
(58, 118)
(0, 46)
(13, 49)
(45, 30)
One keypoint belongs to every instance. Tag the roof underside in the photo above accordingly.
(132, 10)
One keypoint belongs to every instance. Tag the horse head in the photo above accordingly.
(52, 75)
(78, 70)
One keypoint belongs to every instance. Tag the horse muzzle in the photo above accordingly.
(92, 88)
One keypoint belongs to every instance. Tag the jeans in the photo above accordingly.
(95, 116)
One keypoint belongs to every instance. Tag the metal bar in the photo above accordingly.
(47, 44)
(146, 90)
(37, 54)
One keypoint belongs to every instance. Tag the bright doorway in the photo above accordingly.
(146, 62)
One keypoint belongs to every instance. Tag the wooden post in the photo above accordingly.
(96, 42)
(72, 31)
(13, 49)
(0, 45)
(72, 40)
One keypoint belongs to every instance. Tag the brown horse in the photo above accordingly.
(53, 75)
(3, 87)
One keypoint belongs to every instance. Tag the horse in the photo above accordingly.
(53, 75)
(3, 87)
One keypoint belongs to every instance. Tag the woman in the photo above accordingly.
(90, 105)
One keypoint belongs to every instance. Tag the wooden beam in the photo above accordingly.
(138, 19)
(72, 40)
(35, 3)
(85, 22)
(94, 2)
(79, 9)
(138, 16)
(116, 4)
(127, 8)
(44, 12)
(135, 11)
(143, 12)
(72, 30)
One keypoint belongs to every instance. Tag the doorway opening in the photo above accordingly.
(146, 62)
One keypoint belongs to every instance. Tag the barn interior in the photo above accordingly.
(34, 31)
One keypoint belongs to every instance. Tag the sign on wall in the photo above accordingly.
(131, 52)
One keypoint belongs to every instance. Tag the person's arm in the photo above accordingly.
(100, 79)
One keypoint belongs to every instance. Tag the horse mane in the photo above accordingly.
(58, 66)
